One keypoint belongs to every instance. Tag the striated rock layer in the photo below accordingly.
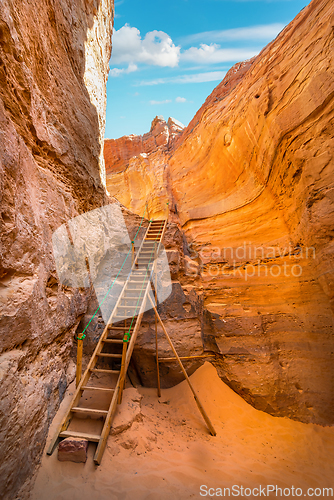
(250, 182)
(53, 70)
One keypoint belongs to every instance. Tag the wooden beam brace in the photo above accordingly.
(199, 404)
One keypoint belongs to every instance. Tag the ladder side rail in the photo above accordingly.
(134, 265)
(157, 250)
(113, 405)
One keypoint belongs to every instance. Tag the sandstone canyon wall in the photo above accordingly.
(53, 69)
(250, 184)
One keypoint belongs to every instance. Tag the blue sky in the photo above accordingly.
(169, 56)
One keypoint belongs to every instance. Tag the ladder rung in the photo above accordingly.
(83, 435)
(134, 315)
(110, 327)
(114, 341)
(91, 388)
(77, 409)
(109, 355)
(102, 370)
(128, 307)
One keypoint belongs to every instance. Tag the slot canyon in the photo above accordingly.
(247, 188)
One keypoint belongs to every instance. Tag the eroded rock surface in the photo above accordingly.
(250, 184)
(53, 71)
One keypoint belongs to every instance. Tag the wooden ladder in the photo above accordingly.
(120, 338)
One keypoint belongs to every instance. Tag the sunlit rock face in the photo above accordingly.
(54, 59)
(129, 162)
(250, 182)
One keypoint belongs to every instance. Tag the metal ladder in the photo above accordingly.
(131, 304)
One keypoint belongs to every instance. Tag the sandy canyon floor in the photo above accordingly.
(166, 452)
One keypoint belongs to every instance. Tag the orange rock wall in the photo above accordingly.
(250, 181)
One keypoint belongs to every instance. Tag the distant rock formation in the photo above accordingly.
(250, 182)
(118, 152)
(126, 160)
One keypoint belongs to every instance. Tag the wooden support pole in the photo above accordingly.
(156, 324)
(79, 362)
(200, 407)
(133, 253)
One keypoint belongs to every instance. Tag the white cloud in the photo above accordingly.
(156, 48)
(180, 99)
(213, 53)
(210, 76)
(120, 71)
(166, 101)
(261, 32)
